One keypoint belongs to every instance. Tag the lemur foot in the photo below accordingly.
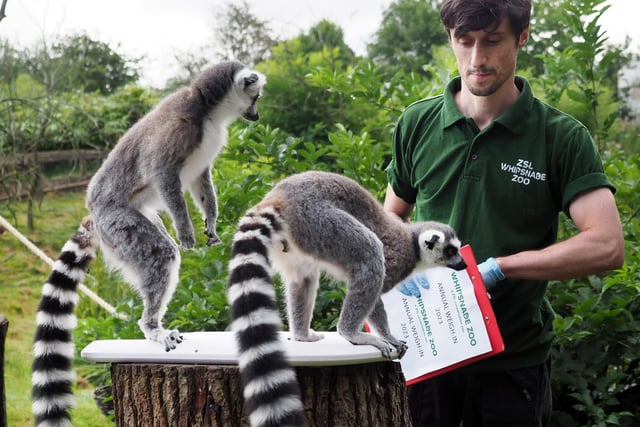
(210, 232)
(402, 349)
(386, 347)
(213, 240)
(400, 345)
(310, 336)
(187, 242)
(170, 339)
(387, 350)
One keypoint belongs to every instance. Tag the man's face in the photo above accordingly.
(486, 60)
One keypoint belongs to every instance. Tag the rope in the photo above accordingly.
(44, 257)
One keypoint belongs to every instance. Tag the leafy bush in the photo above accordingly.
(596, 364)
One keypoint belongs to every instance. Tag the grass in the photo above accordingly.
(22, 275)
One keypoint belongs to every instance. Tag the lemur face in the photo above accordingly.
(441, 247)
(250, 83)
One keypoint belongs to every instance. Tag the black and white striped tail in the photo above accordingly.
(271, 391)
(52, 374)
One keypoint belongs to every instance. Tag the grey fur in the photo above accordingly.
(309, 223)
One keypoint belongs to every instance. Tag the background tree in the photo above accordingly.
(190, 64)
(549, 38)
(292, 102)
(242, 36)
(11, 65)
(580, 77)
(238, 35)
(409, 32)
(78, 62)
(327, 34)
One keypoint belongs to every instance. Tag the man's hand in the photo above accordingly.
(411, 285)
(490, 272)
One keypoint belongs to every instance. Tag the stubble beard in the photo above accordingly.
(479, 90)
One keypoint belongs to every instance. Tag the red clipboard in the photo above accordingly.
(493, 331)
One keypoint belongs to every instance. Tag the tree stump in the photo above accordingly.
(364, 395)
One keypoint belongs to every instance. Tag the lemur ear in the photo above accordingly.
(431, 237)
(251, 79)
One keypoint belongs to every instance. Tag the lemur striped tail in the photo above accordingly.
(271, 391)
(52, 375)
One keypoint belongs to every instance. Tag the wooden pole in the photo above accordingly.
(4, 327)
(362, 395)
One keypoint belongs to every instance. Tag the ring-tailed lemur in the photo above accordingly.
(308, 223)
(167, 152)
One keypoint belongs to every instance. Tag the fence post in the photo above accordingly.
(4, 327)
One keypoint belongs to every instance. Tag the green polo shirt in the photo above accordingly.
(502, 190)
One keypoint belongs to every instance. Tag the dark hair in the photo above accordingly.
(474, 15)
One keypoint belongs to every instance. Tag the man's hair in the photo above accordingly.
(464, 16)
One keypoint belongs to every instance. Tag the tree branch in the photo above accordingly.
(2, 9)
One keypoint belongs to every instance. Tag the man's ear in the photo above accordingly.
(524, 37)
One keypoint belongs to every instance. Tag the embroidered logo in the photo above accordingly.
(523, 172)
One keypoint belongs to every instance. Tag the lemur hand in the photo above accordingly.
(409, 286)
(490, 272)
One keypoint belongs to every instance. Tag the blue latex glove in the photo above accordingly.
(411, 285)
(490, 272)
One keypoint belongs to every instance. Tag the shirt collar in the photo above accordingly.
(511, 119)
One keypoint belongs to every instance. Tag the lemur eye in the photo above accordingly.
(450, 251)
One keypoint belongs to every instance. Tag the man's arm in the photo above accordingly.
(597, 247)
(397, 206)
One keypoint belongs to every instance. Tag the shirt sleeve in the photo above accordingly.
(580, 167)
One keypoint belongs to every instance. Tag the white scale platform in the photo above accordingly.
(219, 348)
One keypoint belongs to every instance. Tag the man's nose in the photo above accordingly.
(478, 55)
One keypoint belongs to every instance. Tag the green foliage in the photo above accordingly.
(549, 37)
(98, 121)
(596, 364)
(32, 120)
(595, 361)
(292, 103)
(575, 72)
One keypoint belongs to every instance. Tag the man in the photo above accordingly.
(498, 165)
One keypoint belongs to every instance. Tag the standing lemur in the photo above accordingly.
(167, 152)
(308, 223)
